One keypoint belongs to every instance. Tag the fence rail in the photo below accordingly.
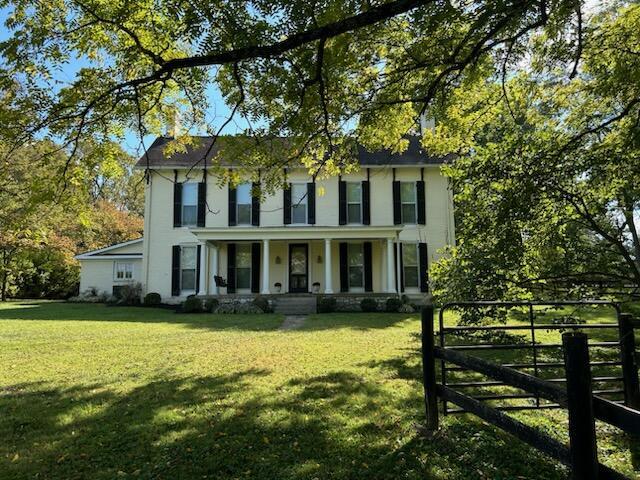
(577, 396)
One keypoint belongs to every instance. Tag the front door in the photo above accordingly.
(298, 268)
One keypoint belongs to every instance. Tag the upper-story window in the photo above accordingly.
(354, 202)
(299, 203)
(408, 200)
(243, 206)
(188, 269)
(189, 204)
(124, 271)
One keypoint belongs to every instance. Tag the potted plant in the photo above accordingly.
(277, 286)
(316, 287)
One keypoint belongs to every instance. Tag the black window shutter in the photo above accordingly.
(399, 280)
(231, 268)
(232, 206)
(202, 203)
(422, 211)
(342, 202)
(397, 206)
(175, 271)
(366, 203)
(344, 267)
(177, 204)
(311, 203)
(368, 273)
(198, 253)
(424, 269)
(255, 204)
(287, 204)
(255, 267)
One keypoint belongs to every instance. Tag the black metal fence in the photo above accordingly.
(577, 396)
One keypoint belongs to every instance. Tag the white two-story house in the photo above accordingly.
(374, 231)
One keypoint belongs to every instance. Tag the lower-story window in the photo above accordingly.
(243, 266)
(410, 265)
(356, 266)
(124, 271)
(188, 269)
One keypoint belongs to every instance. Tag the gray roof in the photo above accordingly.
(154, 157)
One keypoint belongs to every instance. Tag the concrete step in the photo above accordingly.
(295, 305)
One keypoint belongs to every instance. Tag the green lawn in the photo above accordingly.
(88, 391)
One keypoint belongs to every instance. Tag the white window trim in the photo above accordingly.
(184, 292)
(355, 289)
(414, 203)
(182, 205)
(244, 290)
(250, 206)
(116, 269)
(349, 222)
(305, 202)
(411, 289)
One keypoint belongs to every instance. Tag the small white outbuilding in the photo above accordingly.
(109, 268)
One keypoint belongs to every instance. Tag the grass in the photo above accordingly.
(88, 391)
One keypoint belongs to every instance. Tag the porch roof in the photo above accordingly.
(306, 232)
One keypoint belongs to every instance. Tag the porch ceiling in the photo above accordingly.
(311, 232)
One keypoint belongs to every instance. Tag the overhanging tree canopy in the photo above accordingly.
(322, 73)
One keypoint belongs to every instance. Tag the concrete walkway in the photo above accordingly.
(293, 322)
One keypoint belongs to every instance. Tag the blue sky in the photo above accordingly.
(215, 118)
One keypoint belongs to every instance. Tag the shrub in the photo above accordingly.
(393, 304)
(326, 304)
(406, 308)
(404, 299)
(247, 308)
(192, 305)
(211, 304)
(152, 299)
(225, 308)
(130, 294)
(368, 305)
(262, 303)
(91, 295)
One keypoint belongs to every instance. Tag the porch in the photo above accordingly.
(299, 260)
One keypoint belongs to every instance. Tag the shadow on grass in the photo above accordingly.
(338, 426)
(62, 311)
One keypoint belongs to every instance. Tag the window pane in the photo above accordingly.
(408, 192)
(355, 277)
(299, 193)
(244, 214)
(409, 254)
(299, 213)
(189, 194)
(188, 259)
(408, 213)
(188, 280)
(243, 256)
(243, 193)
(410, 276)
(353, 192)
(243, 278)
(353, 213)
(189, 215)
(356, 257)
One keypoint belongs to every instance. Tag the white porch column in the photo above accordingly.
(214, 268)
(328, 284)
(204, 264)
(391, 274)
(265, 267)
(398, 273)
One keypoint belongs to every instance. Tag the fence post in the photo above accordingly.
(429, 369)
(582, 429)
(627, 357)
